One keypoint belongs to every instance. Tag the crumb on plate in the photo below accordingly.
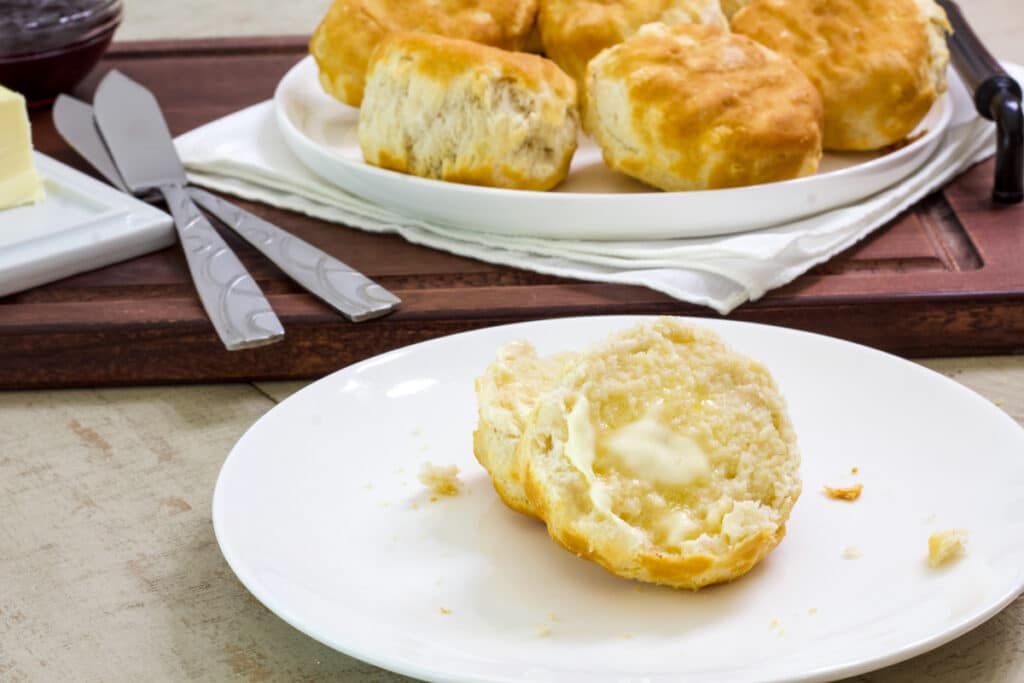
(812, 611)
(944, 546)
(847, 493)
(852, 552)
(445, 610)
(542, 630)
(855, 470)
(443, 481)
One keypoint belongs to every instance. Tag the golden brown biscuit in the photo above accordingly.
(459, 111)
(506, 395)
(690, 107)
(664, 456)
(574, 31)
(879, 64)
(731, 7)
(346, 37)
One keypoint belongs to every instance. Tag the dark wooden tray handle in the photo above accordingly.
(997, 97)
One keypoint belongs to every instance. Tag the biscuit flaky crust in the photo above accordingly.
(460, 111)
(351, 29)
(879, 64)
(692, 107)
(506, 395)
(685, 534)
(574, 31)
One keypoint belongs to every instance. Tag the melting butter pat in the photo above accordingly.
(648, 450)
(581, 448)
(19, 181)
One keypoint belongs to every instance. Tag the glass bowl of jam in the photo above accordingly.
(48, 46)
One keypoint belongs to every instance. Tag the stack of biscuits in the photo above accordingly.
(659, 452)
(680, 94)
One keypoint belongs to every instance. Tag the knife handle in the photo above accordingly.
(233, 301)
(997, 97)
(354, 295)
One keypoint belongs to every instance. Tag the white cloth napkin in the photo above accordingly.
(244, 154)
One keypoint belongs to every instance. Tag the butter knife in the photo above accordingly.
(139, 142)
(337, 284)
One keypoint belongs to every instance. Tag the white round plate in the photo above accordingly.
(594, 202)
(319, 512)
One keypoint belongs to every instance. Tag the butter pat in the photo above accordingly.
(19, 181)
(651, 451)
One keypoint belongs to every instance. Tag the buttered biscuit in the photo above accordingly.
(573, 32)
(350, 31)
(879, 64)
(663, 456)
(688, 107)
(506, 395)
(464, 112)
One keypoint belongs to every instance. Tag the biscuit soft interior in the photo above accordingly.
(458, 111)
(663, 456)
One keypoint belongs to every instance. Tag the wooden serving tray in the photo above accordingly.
(946, 278)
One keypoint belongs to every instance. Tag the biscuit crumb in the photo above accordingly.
(553, 617)
(774, 623)
(628, 636)
(445, 610)
(852, 552)
(999, 402)
(812, 611)
(542, 630)
(434, 499)
(855, 470)
(848, 493)
(443, 481)
(944, 546)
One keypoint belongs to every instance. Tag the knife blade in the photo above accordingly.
(136, 135)
(135, 132)
(347, 290)
(74, 120)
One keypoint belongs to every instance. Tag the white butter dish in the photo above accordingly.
(82, 225)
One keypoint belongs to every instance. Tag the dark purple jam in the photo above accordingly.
(34, 26)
